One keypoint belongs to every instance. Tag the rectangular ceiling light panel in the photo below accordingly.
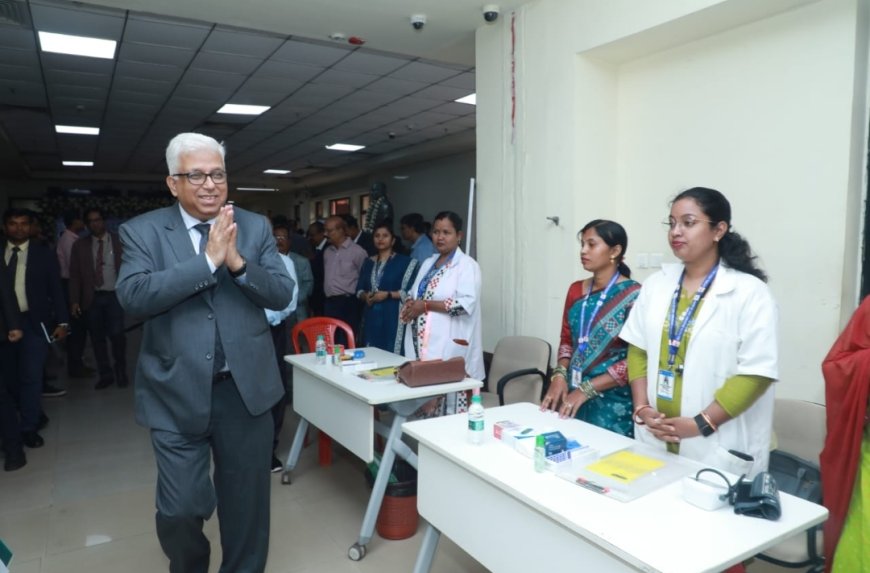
(77, 45)
(469, 99)
(243, 109)
(77, 129)
(344, 147)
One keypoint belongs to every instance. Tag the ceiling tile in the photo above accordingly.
(149, 29)
(154, 87)
(309, 53)
(153, 54)
(465, 81)
(421, 72)
(443, 93)
(64, 62)
(17, 38)
(454, 108)
(366, 99)
(225, 63)
(287, 70)
(319, 94)
(15, 57)
(141, 70)
(238, 42)
(77, 19)
(343, 78)
(205, 93)
(94, 93)
(396, 86)
(17, 93)
(368, 63)
(268, 84)
(20, 73)
(211, 79)
(410, 105)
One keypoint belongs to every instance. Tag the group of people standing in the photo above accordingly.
(683, 362)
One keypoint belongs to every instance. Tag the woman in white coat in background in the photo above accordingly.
(702, 340)
(443, 310)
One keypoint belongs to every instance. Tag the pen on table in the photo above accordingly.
(592, 486)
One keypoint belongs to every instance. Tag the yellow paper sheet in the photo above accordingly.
(625, 466)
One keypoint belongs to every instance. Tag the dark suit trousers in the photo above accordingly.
(279, 339)
(10, 430)
(23, 365)
(105, 319)
(240, 445)
(346, 308)
(75, 341)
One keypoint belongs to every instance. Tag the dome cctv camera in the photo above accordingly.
(490, 12)
(418, 21)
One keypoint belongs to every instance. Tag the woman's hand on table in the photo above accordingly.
(571, 403)
(555, 394)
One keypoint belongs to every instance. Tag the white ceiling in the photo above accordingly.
(172, 73)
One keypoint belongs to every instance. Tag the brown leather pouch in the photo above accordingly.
(429, 372)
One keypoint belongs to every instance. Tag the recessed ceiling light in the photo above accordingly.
(277, 171)
(79, 163)
(255, 189)
(469, 99)
(243, 109)
(344, 147)
(77, 45)
(78, 129)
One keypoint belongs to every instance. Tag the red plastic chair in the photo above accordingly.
(311, 328)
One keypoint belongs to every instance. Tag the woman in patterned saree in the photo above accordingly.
(444, 310)
(383, 283)
(590, 381)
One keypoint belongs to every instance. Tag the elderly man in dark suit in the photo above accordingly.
(201, 272)
(38, 291)
(10, 333)
(93, 270)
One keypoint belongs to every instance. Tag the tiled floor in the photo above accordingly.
(85, 502)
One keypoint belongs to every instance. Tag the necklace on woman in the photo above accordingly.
(378, 271)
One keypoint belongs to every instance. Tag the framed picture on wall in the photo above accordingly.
(339, 206)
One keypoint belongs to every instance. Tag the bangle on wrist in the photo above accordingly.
(709, 420)
(636, 415)
(426, 307)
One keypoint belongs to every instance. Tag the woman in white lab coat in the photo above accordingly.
(443, 310)
(703, 343)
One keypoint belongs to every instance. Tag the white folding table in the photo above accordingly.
(489, 500)
(340, 403)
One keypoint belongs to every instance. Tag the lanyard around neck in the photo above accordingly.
(585, 329)
(675, 336)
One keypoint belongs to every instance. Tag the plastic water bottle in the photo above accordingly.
(475, 420)
(540, 453)
(320, 349)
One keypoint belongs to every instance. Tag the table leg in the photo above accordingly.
(427, 549)
(295, 450)
(380, 486)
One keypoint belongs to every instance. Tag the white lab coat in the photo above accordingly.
(735, 332)
(460, 282)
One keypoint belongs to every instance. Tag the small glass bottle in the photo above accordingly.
(476, 425)
(320, 350)
(540, 453)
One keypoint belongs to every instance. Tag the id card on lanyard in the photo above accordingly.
(586, 327)
(666, 380)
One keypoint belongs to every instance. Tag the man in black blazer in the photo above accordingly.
(10, 333)
(38, 290)
(201, 272)
(93, 270)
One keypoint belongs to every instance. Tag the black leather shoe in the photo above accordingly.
(52, 391)
(104, 383)
(14, 461)
(32, 440)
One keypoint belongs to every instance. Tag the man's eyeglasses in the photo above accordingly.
(686, 222)
(218, 176)
(280, 238)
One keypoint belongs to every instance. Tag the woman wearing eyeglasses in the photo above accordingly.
(703, 343)
(590, 380)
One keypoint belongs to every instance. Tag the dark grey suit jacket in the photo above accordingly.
(163, 279)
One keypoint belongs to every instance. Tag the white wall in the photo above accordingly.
(620, 105)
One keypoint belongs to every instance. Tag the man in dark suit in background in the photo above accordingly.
(362, 238)
(201, 272)
(93, 270)
(10, 333)
(36, 281)
(318, 242)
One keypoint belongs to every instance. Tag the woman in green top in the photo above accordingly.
(703, 343)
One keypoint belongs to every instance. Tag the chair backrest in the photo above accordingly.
(800, 428)
(310, 328)
(513, 353)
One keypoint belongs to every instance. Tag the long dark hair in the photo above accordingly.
(613, 234)
(733, 249)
